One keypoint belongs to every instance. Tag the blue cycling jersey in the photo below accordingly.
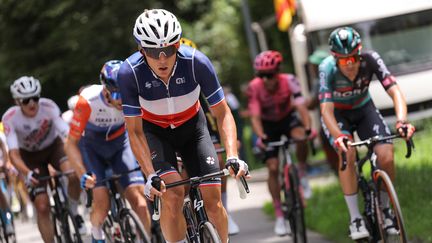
(172, 104)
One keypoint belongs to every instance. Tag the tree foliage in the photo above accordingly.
(65, 43)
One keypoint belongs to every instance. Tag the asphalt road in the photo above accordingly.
(255, 226)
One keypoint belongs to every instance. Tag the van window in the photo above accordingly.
(404, 41)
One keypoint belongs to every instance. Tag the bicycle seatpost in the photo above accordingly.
(156, 183)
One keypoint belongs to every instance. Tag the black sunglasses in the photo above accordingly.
(266, 75)
(156, 52)
(26, 101)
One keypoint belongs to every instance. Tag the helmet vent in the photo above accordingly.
(174, 38)
(166, 29)
(149, 42)
(155, 31)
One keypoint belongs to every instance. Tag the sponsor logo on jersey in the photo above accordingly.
(349, 93)
(210, 160)
(180, 80)
(148, 85)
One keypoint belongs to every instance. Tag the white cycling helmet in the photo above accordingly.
(156, 28)
(25, 87)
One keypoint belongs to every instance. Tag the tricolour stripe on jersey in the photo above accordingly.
(171, 105)
(172, 119)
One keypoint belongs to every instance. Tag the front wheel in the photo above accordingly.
(395, 230)
(132, 228)
(296, 218)
(208, 233)
(69, 228)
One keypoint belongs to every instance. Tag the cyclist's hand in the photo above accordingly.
(341, 142)
(234, 163)
(30, 179)
(405, 129)
(149, 189)
(260, 142)
(88, 180)
(311, 134)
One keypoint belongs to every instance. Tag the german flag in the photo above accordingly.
(284, 9)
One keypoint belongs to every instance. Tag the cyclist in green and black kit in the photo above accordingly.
(346, 106)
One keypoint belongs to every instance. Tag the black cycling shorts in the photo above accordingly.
(274, 131)
(366, 120)
(191, 140)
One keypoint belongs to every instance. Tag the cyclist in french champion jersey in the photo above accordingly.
(346, 106)
(34, 132)
(98, 141)
(274, 100)
(160, 86)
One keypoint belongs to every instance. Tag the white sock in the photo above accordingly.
(352, 203)
(224, 201)
(181, 241)
(385, 200)
(73, 205)
(97, 233)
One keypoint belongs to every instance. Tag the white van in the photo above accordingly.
(399, 30)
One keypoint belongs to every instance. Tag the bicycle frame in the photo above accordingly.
(369, 187)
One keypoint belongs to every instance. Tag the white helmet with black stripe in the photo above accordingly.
(156, 28)
(25, 87)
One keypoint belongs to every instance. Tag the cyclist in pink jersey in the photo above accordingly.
(274, 98)
(34, 132)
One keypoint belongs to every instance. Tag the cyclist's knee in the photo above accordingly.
(173, 199)
(42, 205)
(135, 197)
(272, 165)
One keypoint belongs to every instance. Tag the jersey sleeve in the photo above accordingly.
(254, 105)
(325, 80)
(9, 130)
(80, 117)
(380, 69)
(129, 90)
(60, 125)
(205, 76)
(295, 88)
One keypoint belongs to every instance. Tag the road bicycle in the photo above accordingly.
(372, 190)
(65, 226)
(292, 199)
(199, 228)
(4, 236)
(121, 224)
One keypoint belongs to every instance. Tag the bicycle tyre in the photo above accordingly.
(57, 226)
(107, 229)
(69, 226)
(382, 181)
(208, 233)
(297, 220)
(157, 236)
(131, 227)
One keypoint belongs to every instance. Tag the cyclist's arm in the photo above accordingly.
(257, 126)
(226, 126)
(304, 115)
(18, 162)
(139, 144)
(78, 123)
(399, 102)
(74, 155)
(327, 113)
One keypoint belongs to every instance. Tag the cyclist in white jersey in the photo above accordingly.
(33, 129)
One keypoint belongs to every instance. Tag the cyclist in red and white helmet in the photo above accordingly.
(275, 100)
